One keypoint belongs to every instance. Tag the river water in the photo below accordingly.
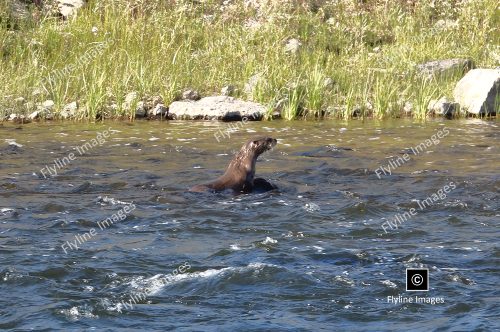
(97, 231)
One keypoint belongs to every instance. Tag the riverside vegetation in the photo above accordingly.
(307, 58)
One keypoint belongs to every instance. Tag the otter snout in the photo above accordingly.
(262, 144)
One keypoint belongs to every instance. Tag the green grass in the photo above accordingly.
(369, 49)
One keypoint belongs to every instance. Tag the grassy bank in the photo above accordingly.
(368, 48)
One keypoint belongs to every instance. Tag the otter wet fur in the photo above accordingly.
(240, 173)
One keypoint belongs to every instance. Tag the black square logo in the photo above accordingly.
(417, 280)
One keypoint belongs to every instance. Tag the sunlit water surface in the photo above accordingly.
(311, 256)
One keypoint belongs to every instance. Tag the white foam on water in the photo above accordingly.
(11, 141)
(269, 240)
(154, 285)
(76, 313)
(389, 283)
(235, 247)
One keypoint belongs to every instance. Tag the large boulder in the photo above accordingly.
(444, 67)
(216, 108)
(478, 92)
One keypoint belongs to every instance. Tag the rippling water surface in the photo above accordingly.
(311, 256)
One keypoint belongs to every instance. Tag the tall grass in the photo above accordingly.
(369, 49)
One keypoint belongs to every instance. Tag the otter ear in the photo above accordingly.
(255, 143)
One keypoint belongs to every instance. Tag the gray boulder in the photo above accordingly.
(442, 107)
(478, 92)
(444, 67)
(216, 108)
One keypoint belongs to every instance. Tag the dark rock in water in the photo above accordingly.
(444, 67)
(328, 151)
(478, 92)
(12, 148)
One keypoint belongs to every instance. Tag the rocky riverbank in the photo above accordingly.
(246, 59)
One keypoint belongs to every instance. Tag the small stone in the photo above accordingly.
(13, 117)
(69, 8)
(35, 115)
(113, 107)
(228, 90)
(37, 92)
(442, 107)
(65, 115)
(130, 99)
(20, 100)
(292, 46)
(408, 107)
(140, 110)
(328, 83)
(71, 107)
(152, 102)
(48, 105)
(17, 118)
(159, 110)
(190, 95)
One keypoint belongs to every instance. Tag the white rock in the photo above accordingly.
(478, 92)
(37, 92)
(14, 117)
(216, 107)
(48, 105)
(71, 107)
(35, 115)
(20, 100)
(293, 45)
(69, 7)
(408, 107)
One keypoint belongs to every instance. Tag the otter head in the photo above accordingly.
(259, 145)
(242, 167)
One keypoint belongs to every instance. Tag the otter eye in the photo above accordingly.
(255, 142)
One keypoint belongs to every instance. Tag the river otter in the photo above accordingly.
(240, 172)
